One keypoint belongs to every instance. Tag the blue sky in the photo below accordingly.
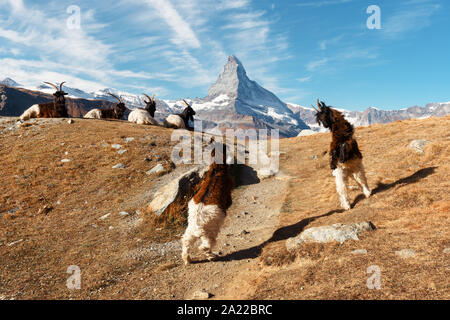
(300, 50)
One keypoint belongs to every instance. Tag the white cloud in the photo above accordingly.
(319, 3)
(414, 15)
(183, 31)
(312, 66)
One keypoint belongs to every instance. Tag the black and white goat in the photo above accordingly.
(117, 112)
(181, 121)
(145, 115)
(207, 209)
(345, 156)
(55, 109)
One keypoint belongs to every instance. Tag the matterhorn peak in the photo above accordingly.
(232, 75)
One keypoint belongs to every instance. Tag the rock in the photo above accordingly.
(121, 152)
(157, 169)
(447, 250)
(266, 166)
(418, 145)
(245, 232)
(70, 121)
(104, 217)
(15, 242)
(360, 251)
(405, 253)
(336, 232)
(116, 146)
(119, 166)
(177, 189)
(65, 160)
(128, 140)
(201, 295)
(306, 132)
(124, 214)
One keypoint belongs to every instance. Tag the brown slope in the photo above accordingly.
(14, 101)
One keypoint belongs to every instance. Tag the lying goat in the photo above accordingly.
(346, 159)
(117, 112)
(55, 109)
(207, 209)
(146, 115)
(181, 121)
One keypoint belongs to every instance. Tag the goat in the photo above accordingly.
(207, 209)
(181, 121)
(117, 112)
(146, 115)
(55, 109)
(345, 156)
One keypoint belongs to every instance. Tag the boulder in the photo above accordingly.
(157, 169)
(336, 232)
(418, 145)
(405, 253)
(306, 132)
(176, 190)
(201, 295)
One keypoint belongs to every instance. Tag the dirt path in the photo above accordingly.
(250, 222)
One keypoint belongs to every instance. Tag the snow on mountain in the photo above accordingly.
(374, 115)
(10, 83)
(235, 101)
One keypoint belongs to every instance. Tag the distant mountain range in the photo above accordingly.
(233, 101)
(373, 115)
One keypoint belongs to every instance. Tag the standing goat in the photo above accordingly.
(345, 157)
(207, 209)
(117, 112)
(181, 121)
(55, 109)
(146, 115)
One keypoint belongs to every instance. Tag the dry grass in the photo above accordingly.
(410, 207)
(55, 207)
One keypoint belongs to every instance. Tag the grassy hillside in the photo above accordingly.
(50, 217)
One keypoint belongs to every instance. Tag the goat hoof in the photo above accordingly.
(187, 260)
(211, 256)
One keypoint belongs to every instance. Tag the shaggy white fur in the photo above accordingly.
(204, 223)
(93, 114)
(353, 168)
(31, 112)
(175, 121)
(141, 116)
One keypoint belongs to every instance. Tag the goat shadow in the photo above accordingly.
(244, 175)
(415, 177)
(294, 230)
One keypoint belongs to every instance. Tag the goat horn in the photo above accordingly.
(118, 99)
(318, 104)
(56, 88)
(61, 85)
(153, 98)
(186, 103)
(149, 99)
(315, 108)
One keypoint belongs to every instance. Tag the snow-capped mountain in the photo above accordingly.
(373, 115)
(235, 101)
(10, 83)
